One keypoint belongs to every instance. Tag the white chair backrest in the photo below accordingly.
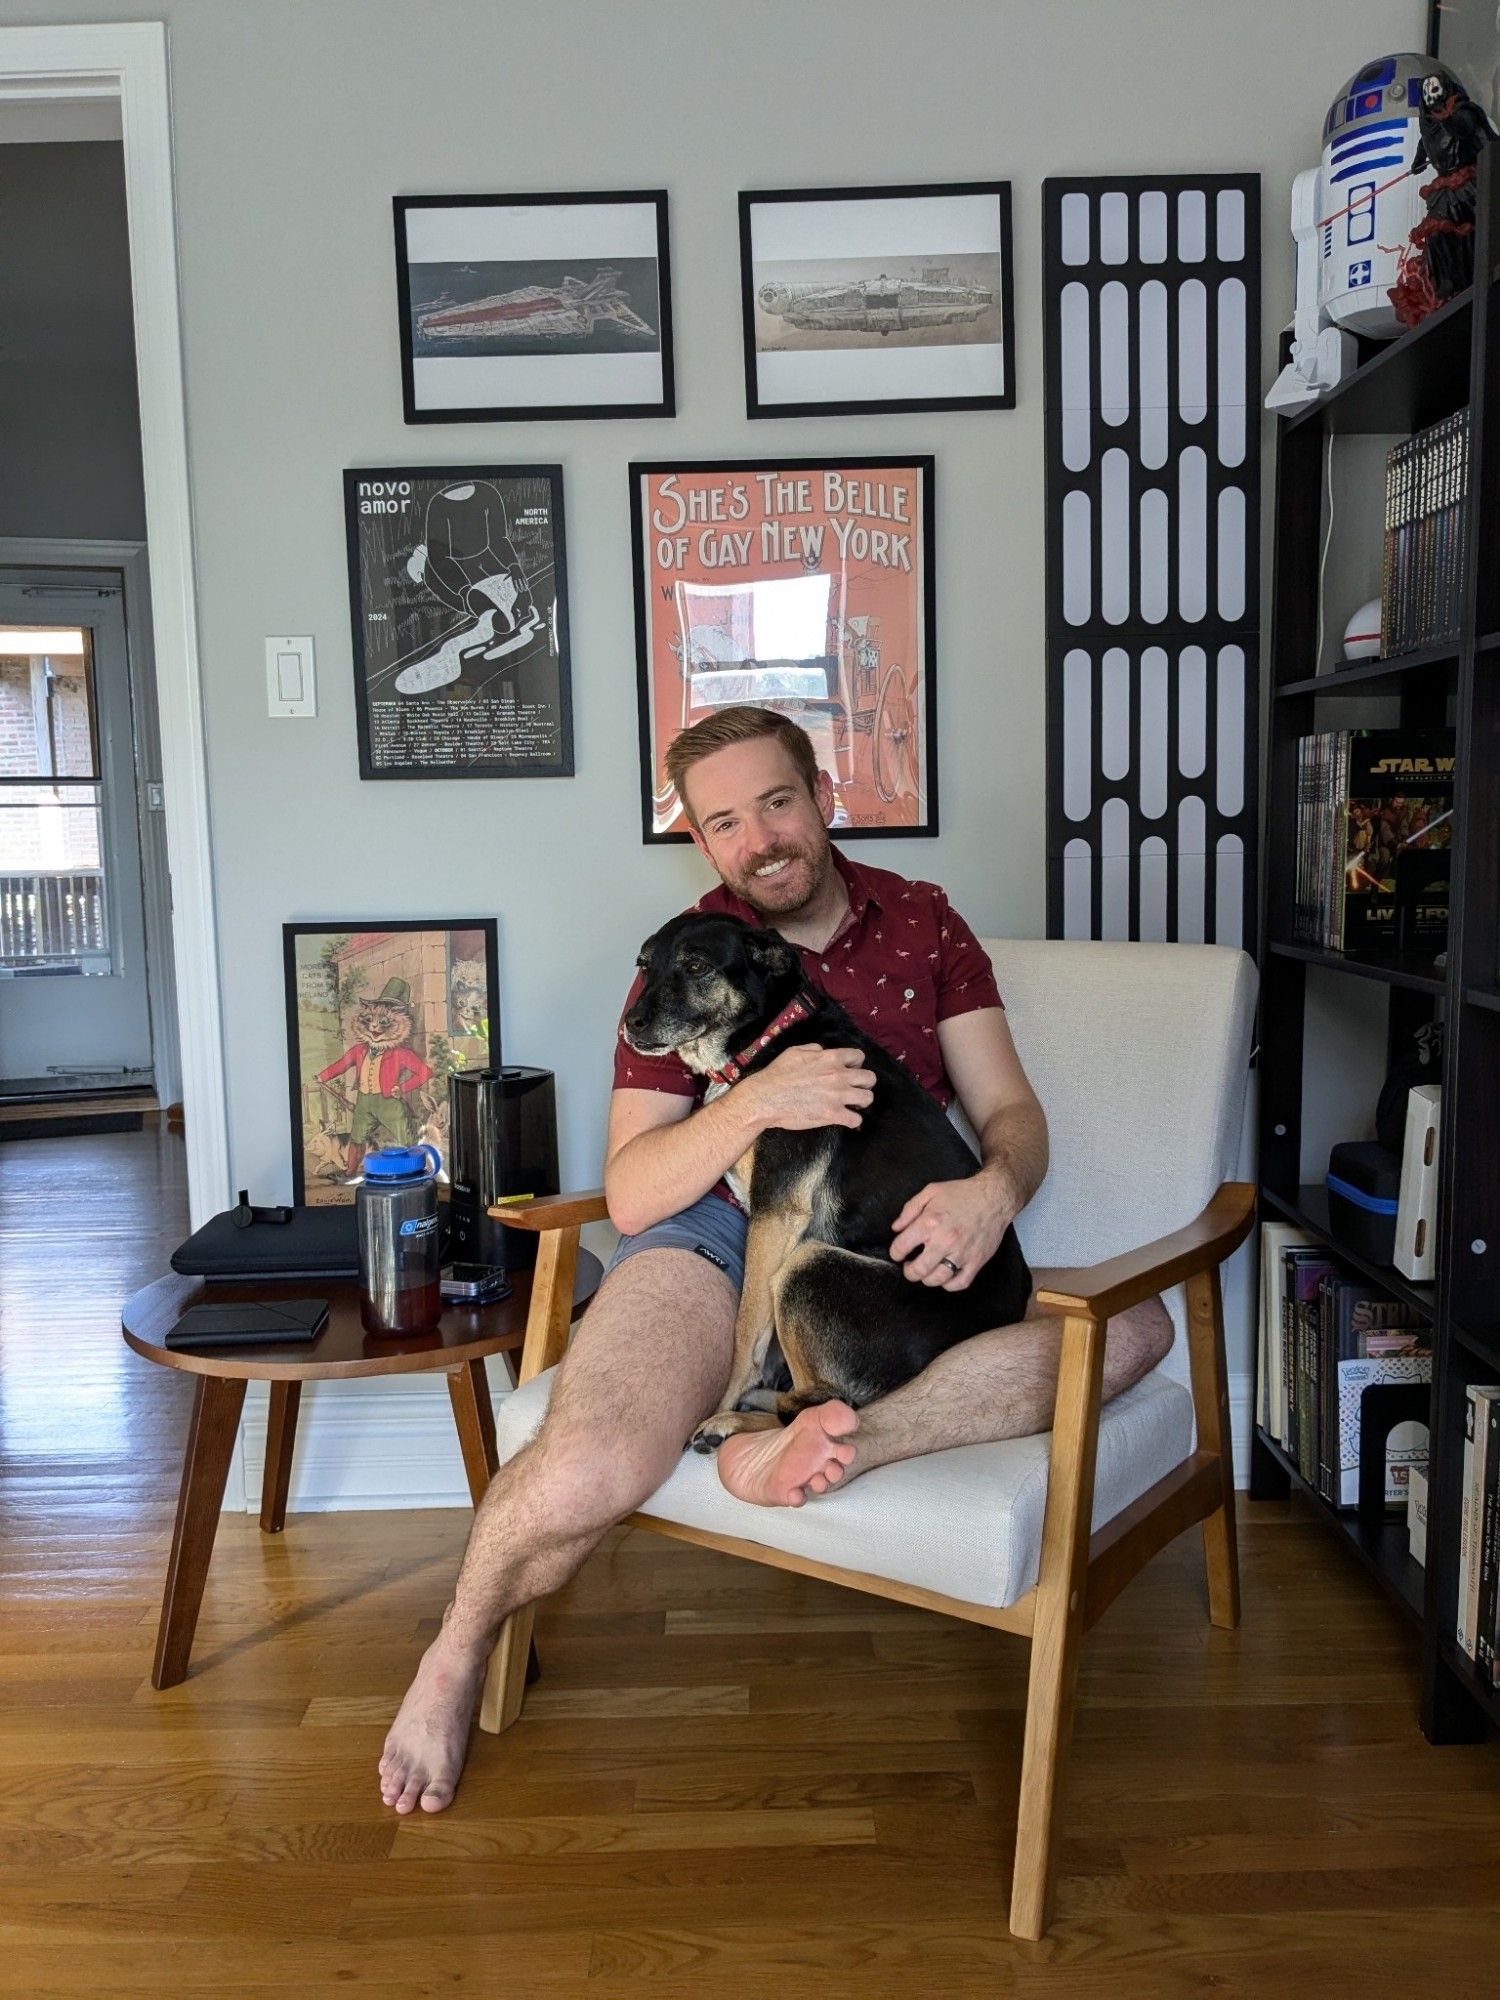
(1140, 1055)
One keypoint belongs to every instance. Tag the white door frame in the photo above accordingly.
(128, 61)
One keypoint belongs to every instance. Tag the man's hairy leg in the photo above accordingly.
(1001, 1384)
(649, 1361)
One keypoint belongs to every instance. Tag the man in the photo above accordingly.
(651, 1357)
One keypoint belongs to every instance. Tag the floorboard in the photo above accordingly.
(728, 1777)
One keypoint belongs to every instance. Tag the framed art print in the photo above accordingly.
(458, 597)
(377, 1019)
(803, 585)
(517, 306)
(877, 299)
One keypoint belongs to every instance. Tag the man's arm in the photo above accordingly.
(980, 1057)
(660, 1159)
(961, 1223)
(662, 1155)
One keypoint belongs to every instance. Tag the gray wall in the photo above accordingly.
(295, 123)
(70, 448)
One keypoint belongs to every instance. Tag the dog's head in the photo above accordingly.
(709, 981)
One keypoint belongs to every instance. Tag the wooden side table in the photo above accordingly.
(342, 1351)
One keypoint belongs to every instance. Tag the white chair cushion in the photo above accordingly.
(966, 1523)
(1140, 1055)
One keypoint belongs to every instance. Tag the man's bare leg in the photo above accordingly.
(649, 1361)
(1001, 1384)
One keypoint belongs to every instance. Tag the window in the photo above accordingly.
(53, 913)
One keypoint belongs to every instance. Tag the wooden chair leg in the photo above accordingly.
(210, 1445)
(281, 1438)
(1211, 1407)
(474, 1413)
(1059, 1621)
(508, 1673)
(514, 1664)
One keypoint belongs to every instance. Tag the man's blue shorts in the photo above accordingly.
(713, 1228)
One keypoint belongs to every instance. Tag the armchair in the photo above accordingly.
(1139, 1054)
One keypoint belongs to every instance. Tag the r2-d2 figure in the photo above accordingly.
(1352, 217)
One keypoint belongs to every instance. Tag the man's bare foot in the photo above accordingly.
(424, 1753)
(780, 1468)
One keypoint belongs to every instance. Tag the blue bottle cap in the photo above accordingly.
(401, 1163)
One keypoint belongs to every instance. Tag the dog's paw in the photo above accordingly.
(708, 1437)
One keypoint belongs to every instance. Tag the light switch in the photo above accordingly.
(291, 688)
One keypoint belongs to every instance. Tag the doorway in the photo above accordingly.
(80, 828)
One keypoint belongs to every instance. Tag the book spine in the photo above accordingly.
(1289, 1357)
(1328, 1389)
(1465, 1631)
(1484, 1630)
(1403, 545)
(1387, 552)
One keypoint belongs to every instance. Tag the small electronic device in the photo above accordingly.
(249, 1324)
(474, 1284)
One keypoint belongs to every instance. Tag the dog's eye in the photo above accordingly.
(694, 965)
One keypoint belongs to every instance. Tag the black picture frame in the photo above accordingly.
(859, 719)
(759, 404)
(419, 406)
(540, 664)
(363, 952)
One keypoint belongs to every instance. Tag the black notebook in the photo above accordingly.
(249, 1324)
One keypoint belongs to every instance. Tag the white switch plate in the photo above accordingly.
(291, 685)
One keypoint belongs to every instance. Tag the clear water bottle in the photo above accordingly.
(400, 1265)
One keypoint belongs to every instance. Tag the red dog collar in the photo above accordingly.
(800, 1008)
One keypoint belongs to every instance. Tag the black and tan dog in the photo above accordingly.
(825, 1312)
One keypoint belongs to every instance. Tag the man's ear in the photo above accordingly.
(770, 953)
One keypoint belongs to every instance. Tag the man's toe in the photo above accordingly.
(437, 1797)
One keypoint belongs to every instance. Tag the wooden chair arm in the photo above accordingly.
(553, 1211)
(1099, 1291)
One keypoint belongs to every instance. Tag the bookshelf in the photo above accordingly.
(1451, 360)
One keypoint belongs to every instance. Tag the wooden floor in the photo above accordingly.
(728, 1780)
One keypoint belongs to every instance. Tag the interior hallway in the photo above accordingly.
(726, 1774)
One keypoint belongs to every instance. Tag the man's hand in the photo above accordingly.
(809, 1086)
(955, 1228)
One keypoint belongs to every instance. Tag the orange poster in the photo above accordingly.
(806, 588)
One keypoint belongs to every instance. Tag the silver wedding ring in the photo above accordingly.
(950, 1263)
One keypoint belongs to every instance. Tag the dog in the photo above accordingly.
(826, 1313)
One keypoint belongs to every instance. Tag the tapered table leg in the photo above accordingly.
(281, 1437)
(216, 1420)
(474, 1414)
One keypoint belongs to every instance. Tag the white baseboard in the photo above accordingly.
(374, 1443)
(378, 1444)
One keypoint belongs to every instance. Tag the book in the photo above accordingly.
(1275, 1238)
(1484, 1625)
(1367, 800)
(1477, 1440)
(1361, 1322)
(1416, 1513)
(1424, 547)
(1464, 1629)
(1407, 1444)
(1305, 1271)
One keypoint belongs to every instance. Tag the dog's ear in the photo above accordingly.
(770, 954)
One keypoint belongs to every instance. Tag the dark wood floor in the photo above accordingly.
(728, 1780)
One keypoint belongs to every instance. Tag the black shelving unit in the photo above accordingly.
(1450, 360)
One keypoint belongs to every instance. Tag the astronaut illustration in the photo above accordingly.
(466, 558)
(1353, 217)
